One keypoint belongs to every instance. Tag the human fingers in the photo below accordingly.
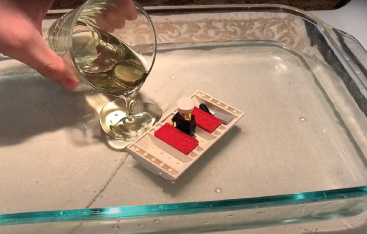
(114, 18)
(40, 57)
(101, 21)
(127, 9)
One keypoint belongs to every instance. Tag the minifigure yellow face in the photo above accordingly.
(186, 116)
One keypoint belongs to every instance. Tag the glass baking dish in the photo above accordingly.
(298, 154)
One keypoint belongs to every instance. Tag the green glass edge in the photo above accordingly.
(129, 212)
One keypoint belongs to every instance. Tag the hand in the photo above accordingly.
(21, 39)
(114, 17)
(21, 35)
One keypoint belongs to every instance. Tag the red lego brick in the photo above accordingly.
(205, 120)
(176, 138)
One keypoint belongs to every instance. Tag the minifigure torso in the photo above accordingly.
(184, 125)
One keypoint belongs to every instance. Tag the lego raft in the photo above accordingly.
(168, 152)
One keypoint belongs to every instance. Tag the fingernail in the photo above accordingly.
(70, 84)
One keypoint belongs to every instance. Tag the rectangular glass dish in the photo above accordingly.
(298, 154)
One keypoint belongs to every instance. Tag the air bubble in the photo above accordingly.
(218, 190)
(302, 119)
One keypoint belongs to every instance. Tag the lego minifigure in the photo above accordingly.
(184, 120)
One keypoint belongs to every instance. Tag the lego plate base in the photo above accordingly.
(168, 162)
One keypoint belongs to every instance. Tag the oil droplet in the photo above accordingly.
(173, 77)
(115, 227)
(156, 220)
(141, 225)
(218, 190)
(303, 119)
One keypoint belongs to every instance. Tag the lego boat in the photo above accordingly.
(167, 152)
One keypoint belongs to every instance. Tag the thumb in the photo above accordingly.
(40, 57)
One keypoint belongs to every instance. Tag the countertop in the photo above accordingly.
(350, 19)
